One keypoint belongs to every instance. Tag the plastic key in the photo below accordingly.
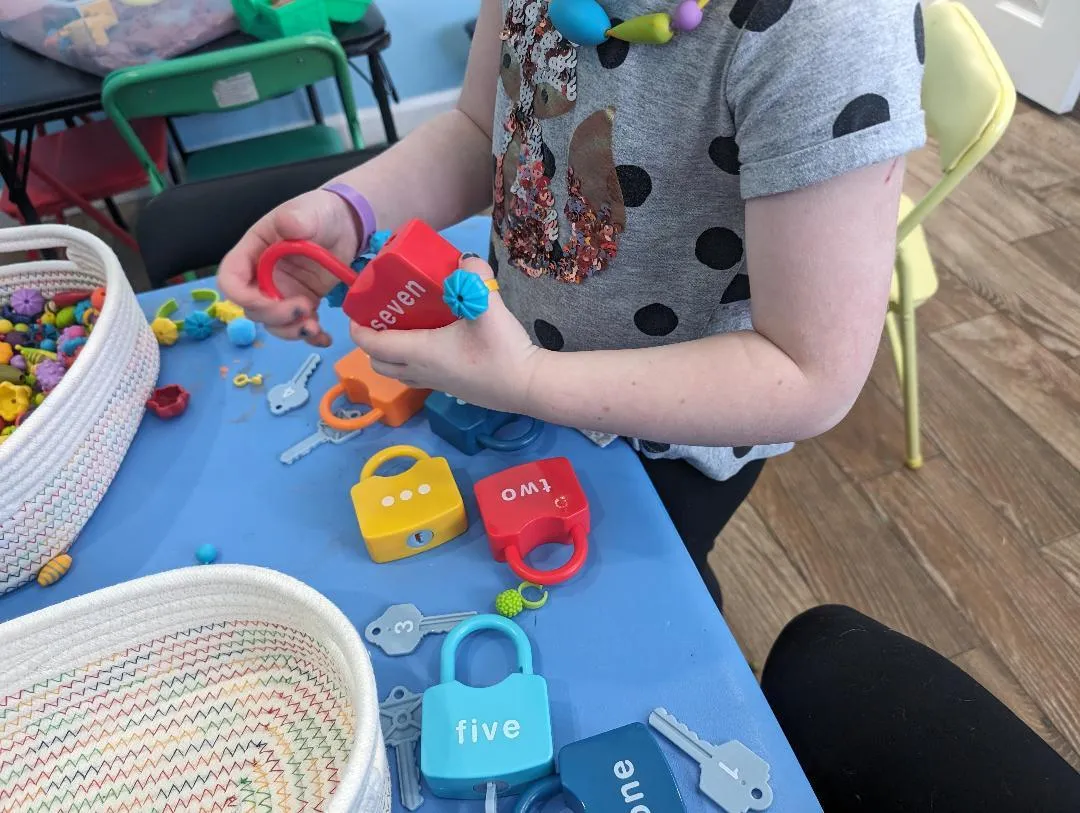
(732, 775)
(322, 434)
(399, 717)
(293, 394)
(398, 631)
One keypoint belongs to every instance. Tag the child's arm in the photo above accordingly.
(819, 295)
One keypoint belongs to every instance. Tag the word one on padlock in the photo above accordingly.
(619, 771)
(500, 734)
(405, 514)
(471, 429)
(530, 505)
(402, 288)
(391, 402)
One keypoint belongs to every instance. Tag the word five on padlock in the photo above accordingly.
(472, 736)
(619, 771)
(405, 514)
(530, 505)
(402, 288)
(471, 429)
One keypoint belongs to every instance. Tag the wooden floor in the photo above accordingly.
(977, 554)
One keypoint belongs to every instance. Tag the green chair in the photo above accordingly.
(231, 79)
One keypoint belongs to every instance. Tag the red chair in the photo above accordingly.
(73, 167)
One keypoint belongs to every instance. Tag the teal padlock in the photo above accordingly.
(471, 736)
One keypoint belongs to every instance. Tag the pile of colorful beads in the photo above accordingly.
(39, 341)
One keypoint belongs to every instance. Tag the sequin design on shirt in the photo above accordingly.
(539, 75)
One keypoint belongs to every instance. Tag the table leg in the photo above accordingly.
(379, 82)
(316, 108)
(13, 178)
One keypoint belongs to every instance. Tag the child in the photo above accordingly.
(694, 240)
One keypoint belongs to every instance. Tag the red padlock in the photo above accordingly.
(400, 289)
(530, 505)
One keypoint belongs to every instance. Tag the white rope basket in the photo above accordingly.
(56, 467)
(213, 688)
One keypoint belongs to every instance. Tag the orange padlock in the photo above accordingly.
(391, 402)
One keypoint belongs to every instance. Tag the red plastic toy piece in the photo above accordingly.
(169, 401)
(400, 289)
(530, 505)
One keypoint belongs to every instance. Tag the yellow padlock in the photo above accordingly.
(408, 513)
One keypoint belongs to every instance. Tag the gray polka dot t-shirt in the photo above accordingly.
(621, 170)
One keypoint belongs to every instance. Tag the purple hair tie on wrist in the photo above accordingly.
(361, 206)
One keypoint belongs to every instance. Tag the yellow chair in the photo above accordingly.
(969, 100)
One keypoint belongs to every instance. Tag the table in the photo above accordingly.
(35, 90)
(636, 629)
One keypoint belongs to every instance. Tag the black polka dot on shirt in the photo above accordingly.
(719, 248)
(653, 447)
(920, 35)
(612, 52)
(758, 15)
(635, 182)
(548, 335)
(724, 152)
(741, 451)
(868, 110)
(737, 291)
(656, 320)
(549, 160)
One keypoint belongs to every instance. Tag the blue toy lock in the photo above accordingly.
(471, 736)
(472, 429)
(619, 771)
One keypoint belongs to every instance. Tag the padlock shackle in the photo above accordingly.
(512, 444)
(477, 623)
(556, 575)
(264, 272)
(326, 412)
(391, 453)
(534, 797)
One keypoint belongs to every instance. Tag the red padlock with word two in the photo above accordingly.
(530, 505)
(413, 282)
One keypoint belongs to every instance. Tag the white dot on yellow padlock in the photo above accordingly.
(405, 514)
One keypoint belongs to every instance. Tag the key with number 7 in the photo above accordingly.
(398, 631)
(732, 775)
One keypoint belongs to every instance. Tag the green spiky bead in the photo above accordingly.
(509, 603)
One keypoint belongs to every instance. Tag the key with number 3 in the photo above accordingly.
(398, 631)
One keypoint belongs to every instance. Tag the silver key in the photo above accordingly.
(399, 716)
(293, 394)
(322, 434)
(398, 631)
(732, 775)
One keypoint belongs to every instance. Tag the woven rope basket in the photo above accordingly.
(55, 469)
(217, 688)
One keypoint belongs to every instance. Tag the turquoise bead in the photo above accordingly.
(583, 22)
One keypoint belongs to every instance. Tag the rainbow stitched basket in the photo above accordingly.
(218, 688)
(55, 469)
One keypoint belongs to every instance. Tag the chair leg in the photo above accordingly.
(114, 213)
(910, 384)
(892, 331)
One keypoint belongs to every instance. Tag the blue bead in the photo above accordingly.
(337, 294)
(48, 344)
(583, 22)
(378, 240)
(465, 294)
(205, 554)
(241, 331)
(199, 325)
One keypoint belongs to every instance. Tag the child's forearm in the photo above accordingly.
(440, 173)
(731, 390)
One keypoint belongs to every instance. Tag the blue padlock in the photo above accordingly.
(471, 736)
(619, 771)
(472, 429)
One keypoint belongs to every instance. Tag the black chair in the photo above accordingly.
(192, 226)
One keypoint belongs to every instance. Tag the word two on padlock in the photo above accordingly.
(500, 734)
(404, 514)
(471, 429)
(530, 505)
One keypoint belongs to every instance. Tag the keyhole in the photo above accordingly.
(420, 538)
(756, 793)
(376, 630)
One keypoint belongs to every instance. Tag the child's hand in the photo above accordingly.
(321, 217)
(488, 362)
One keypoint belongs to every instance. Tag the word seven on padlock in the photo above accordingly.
(500, 734)
(408, 513)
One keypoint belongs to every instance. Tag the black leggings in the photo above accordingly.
(882, 724)
(700, 507)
